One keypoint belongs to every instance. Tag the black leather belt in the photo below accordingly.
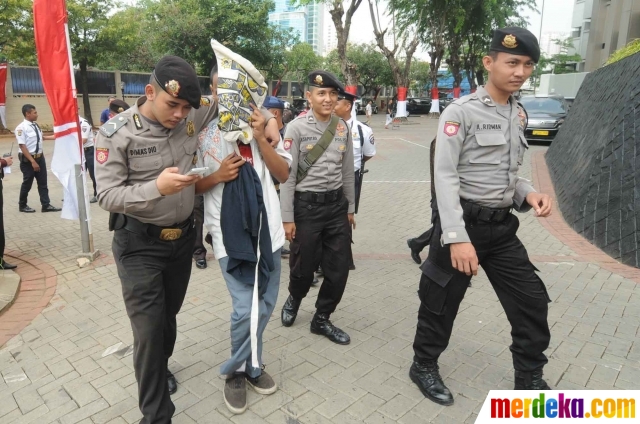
(319, 197)
(483, 213)
(163, 233)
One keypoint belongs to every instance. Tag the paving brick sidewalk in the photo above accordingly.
(70, 361)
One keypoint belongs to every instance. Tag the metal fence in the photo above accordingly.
(134, 83)
(98, 82)
(26, 81)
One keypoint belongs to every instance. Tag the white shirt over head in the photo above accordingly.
(212, 149)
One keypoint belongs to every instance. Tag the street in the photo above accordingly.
(67, 357)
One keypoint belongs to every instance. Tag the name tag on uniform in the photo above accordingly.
(489, 127)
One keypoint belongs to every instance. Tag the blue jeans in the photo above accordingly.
(241, 317)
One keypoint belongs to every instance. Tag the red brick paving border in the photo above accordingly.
(38, 282)
(557, 226)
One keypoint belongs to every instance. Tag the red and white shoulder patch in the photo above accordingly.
(287, 143)
(102, 155)
(451, 128)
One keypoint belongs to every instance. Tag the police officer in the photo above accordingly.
(363, 141)
(32, 163)
(318, 203)
(143, 155)
(480, 145)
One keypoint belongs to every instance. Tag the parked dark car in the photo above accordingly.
(546, 116)
(421, 106)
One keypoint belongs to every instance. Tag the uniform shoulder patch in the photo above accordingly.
(287, 143)
(102, 154)
(112, 125)
(451, 128)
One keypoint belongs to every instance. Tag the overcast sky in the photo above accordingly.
(557, 18)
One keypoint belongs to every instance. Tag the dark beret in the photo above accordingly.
(324, 79)
(346, 96)
(118, 106)
(515, 40)
(272, 102)
(175, 76)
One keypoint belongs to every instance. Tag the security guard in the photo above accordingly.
(480, 146)
(363, 142)
(318, 203)
(142, 157)
(32, 162)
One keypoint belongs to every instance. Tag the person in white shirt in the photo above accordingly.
(369, 110)
(89, 151)
(223, 160)
(363, 141)
(32, 163)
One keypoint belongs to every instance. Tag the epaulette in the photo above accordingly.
(112, 125)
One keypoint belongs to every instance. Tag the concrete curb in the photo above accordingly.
(9, 287)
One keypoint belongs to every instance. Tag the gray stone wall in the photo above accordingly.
(595, 161)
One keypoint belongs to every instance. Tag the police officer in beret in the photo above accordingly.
(480, 146)
(117, 106)
(143, 156)
(318, 203)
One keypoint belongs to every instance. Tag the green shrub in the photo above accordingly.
(630, 49)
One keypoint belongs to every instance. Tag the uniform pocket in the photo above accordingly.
(146, 163)
(522, 149)
(434, 287)
(490, 149)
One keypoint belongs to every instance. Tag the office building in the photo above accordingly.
(600, 27)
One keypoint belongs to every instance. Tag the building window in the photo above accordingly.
(577, 32)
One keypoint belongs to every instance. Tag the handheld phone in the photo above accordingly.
(197, 171)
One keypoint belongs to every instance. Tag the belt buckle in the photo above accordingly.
(321, 197)
(170, 234)
(485, 215)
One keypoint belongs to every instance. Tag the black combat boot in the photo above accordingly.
(290, 311)
(530, 380)
(320, 324)
(426, 375)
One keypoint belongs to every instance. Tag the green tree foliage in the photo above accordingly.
(86, 20)
(419, 76)
(560, 63)
(372, 69)
(630, 49)
(16, 32)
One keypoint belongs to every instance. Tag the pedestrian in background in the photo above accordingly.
(32, 162)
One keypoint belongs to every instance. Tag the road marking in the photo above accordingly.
(416, 144)
(397, 181)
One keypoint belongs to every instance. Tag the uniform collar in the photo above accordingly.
(142, 124)
(486, 99)
(312, 119)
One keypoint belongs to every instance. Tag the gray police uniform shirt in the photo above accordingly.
(131, 159)
(332, 170)
(28, 133)
(480, 146)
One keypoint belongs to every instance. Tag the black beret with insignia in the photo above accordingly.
(515, 40)
(175, 76)
(118, 106)
(324, 79)
(342, 94)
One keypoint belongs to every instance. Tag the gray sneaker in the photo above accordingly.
(263, 384)
(235, 393)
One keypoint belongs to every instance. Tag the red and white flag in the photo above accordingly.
(56, 70)
(3, 95)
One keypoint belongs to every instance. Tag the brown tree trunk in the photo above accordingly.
(84, 80)
(349, 70)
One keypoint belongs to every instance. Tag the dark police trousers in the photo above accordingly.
(154, 276)
(28, 175)
(322, 238)
(89, 155)
(512, 275)
(199, 251)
